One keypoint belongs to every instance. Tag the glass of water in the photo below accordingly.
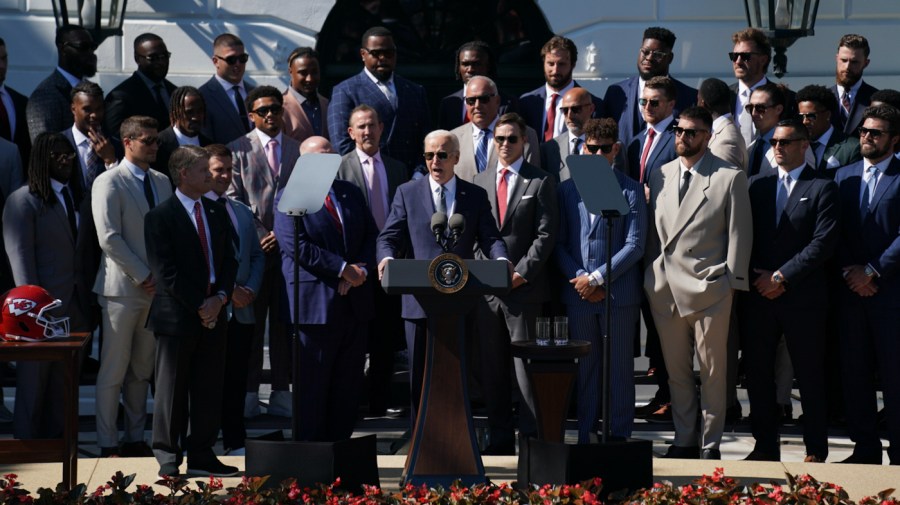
(560, 330)
(544, 331)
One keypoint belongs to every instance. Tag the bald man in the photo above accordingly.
(577, 108)
(316, 144)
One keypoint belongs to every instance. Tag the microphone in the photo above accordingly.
(457, 226)
(438, 227)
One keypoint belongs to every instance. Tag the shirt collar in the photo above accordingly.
(693, 169)
(79, 137)
(184, 139)
(743, 87)
(514, 167)
(853, 89)
(662, 125)
(137, 171)
(450, 186)
(794, 172)
(825, 137)
(56, 185)
(881, 165)
(477, 131)
(389, 82)
(213, 196)
(363, 157)
(150, 84)
(550, 91)
(227, 86)
(297, 96)
(719, 120)
(185, 200)
(573, 137)
(264, 139)
(69, 77)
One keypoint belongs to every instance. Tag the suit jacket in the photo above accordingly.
(168, 142)
(768, 163)
(48, 107)
(77, 182)
(790, 105)
(253, 184)
(860, 102)
(804, 238)
(322, 251)
(451, 111)
(133, 98)
(663, 153)
(466, 168)
(529, 228)
(621, 103)
(179, 267)
(250, 257)
(351, 171)
(11, 174)
(404, 128)
(873, 238)
(700, 250)
(531, 108)
(840, 150)
(296, 123)
(41, 250)
(581, 246)
(728, 144)
(222, 123)
(21, 138)
(407, 232)
(118, 205)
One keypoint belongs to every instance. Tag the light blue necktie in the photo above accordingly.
(781, 197)
(481, 153)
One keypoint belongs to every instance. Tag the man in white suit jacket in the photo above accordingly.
(120, 199)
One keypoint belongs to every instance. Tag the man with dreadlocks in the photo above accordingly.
(187, 113)
(40, 230)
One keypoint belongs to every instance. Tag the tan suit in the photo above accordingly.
(466, 168)
(296, 123)
(728, 143)
(698, 255)
(129, 349)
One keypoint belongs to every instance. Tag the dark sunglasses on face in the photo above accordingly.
(62, 156)
(153, 58)
(760, 108)
(687, 132)
(470, 100)
(743, 56)
(266, 109)
(379, 53)
(574, 109)
(809, 115)
(440, 154)
(643, 102)
(150, 141)
(872, 132)
(82, 48)
(603, 148)
(234, 58)
(782, 142)
(500, 139)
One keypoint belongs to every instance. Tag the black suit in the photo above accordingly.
(168, 142)
(20, 136)
(133, 98)
(190, 359)
(798, 246)
(452, 114)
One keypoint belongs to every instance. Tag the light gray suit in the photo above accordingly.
(728, 144)
(127, 358)
(698, 253)
(466, 168)
(351, 170)
(553, 156)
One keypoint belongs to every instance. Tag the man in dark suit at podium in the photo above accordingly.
(407, 234)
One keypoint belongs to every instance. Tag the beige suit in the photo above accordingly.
(126, 361)
(296, 123)
(466, 168)
(728, 143)
(698, 255)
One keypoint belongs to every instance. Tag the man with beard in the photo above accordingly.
(853, 94)
(147, 92)
(697, 256)
(188, 112)
(869, 255)
(472, 58)
(577, 108)
(48, 106)
(96, 152)
(654, 58)
(305, 110)
(540, 107)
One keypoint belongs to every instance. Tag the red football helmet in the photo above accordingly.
(24, 315)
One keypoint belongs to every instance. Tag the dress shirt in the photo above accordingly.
(659, 127)
(476, 137)
(851, 93)
(264, 140)
(229, 90)
(743, 98)
(383, 86)
(139, 174)
(83, 146)
(69, 77)
(794, 175)
(881, 166)
(449, 194)
(572, 142)
(369, 171)
(559, 125)
(151, 85)
(313, 110)
(188, 205)
(184, 140)
(823, 139)
(57, 190)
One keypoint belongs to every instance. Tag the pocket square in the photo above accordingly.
(526, 197)
(804, 199)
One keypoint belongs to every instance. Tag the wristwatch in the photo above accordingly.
(869, 271)
(777, 278)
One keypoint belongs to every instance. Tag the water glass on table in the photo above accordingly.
(543, 331)
(560, 330)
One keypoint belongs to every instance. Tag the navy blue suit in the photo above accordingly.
(581, 249)
(333, 328)
(532, 108)
(621, 103)
(870, 326)
(404, 128)
(662, 153)
(862, 100)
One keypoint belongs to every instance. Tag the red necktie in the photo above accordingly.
(329, 206)
(204, 244)
(502, 186)
(650, 134)
(549, 128)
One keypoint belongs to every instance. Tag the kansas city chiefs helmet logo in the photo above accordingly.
(19, 306)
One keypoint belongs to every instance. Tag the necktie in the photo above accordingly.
(442, 200)
(94, 164)
(376, 194)
(502, 189)
(745, 120)
(70, 211)
(759, 151)
(272, 158)
(685, 184)
(845, 103)
(651, 133)
(576, 145)
(148, 191)
(481, 153)
(389, 93)
(157, 90)
(868, 191)
(204, 244)
(781, 196)
(5, 128)
(242, 111)
(549, 128)
(332, 210)
(815, 145)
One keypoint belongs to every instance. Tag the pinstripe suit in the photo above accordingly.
(580, 250)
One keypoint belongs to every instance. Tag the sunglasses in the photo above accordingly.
(603, 148)
(759, 107)
(809, 115)
(643, 102)
(379, 53)
(62, 156)
(653, 55)
(150, 141)
(687, 132)
(234, 58)
(471, 100)
(782, 142)
(266, 109)
(743, 56)
(872, 132)
(574, 109)
(82, 48)
(440, 154)
(153, 58)
(512, 139)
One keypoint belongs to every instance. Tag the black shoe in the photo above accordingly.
(787, 414)
(645, 410)
(734, 413)
(758, 455)
(710, 454)
(212, 467)
(863, 459)
(170, 469)
(136, 450)
(109, 452)
(682, 452)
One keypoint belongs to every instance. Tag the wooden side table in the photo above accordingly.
(68, 351)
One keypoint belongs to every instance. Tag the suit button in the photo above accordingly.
(668, 251)
(690, 250)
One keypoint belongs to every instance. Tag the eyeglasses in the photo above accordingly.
(264, 110)
(380, 53)
(643, 102)
(574, 109)
(440, 154)
(512, 139)
(603, 148)
(872, 132)
(149, 141)
(653, 55)
(687, 132)
(782, 142)
(744, 56)
(760, 108)
(153, 58)
(809, 115)
(62, 156)
(471, 100)
(82, 48)
(234, 58)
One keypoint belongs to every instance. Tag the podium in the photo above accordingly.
(443, 447)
